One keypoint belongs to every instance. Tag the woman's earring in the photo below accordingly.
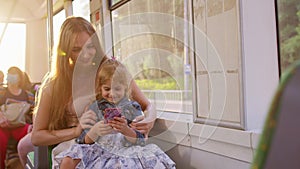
(71, 61)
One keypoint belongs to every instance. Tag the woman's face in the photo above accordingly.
(12, 79)
(84, 50)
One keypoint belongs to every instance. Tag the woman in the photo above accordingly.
(66, 92)
(13, 93)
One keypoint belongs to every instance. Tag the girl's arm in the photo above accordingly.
(41, 135)
(120, 125)
(130, 135)
(98, 130)
(95, 128)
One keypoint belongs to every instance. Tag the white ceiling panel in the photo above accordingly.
(24, 10)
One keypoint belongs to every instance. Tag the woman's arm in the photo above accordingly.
(138, 96)
(143, 125)
(41, 135)
(3, 121)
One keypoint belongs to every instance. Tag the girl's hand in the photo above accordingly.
(120, 124)
(88, 119)
(100, 129)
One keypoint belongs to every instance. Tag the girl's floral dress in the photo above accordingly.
(113, 151)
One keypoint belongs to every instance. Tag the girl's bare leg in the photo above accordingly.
(68, 162)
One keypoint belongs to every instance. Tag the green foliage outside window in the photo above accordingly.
(157, 84)
(289, 31)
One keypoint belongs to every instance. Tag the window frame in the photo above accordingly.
(114, 4)
(254, 104)
(196, 99)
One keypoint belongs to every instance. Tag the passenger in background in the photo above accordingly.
(27, 85)
(13, 93)
(61, 101)
(1, 79)
(117, 144)
(25, 146)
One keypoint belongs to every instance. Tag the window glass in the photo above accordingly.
(289, 31)
(12, 46)
(166, 43)
(217, 61)
(149, 37)
(113, 2)
(58, 20)
(81, 8)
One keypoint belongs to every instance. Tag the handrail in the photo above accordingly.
(50, 30)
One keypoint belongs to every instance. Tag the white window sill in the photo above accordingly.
(180, 129)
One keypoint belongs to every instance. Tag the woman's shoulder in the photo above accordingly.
(47, 88)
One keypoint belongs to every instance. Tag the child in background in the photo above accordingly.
(112, 143)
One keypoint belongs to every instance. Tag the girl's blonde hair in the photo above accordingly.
(114, 71)
(60, 77)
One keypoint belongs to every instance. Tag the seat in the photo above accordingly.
(12, 160)
(39, 158)
(279, 145)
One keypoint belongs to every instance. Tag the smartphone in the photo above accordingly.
(110, 113)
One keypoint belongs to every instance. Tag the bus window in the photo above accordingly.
(81, 8)
(58, 19)
(12, 45)
(155, 40)
(154, 54)
(289, 32)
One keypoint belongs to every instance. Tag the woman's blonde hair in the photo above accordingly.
(60, 77)
(114, 71)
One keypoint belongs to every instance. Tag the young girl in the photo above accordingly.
(112, 143)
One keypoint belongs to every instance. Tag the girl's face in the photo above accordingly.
(84, 50)
(113, 92)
